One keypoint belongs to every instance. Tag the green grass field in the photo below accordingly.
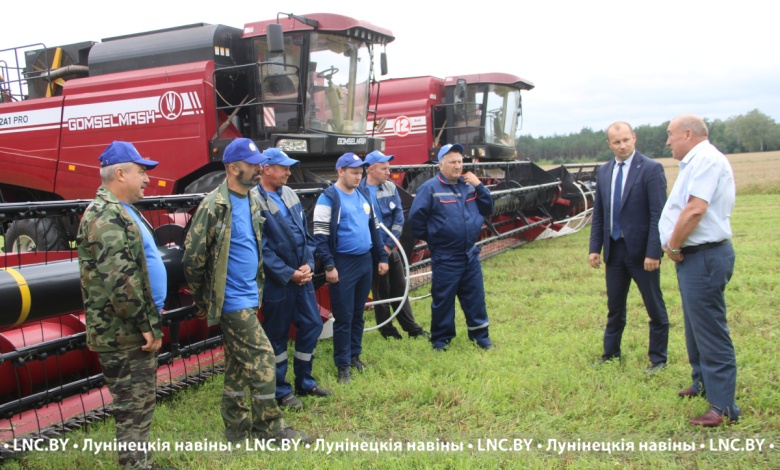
(547, 312)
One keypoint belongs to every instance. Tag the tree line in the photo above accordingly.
(752, 132)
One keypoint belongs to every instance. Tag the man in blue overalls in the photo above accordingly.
(348, 245)
(447, 212)
(288, 297)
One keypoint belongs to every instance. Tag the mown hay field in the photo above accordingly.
(754, 173)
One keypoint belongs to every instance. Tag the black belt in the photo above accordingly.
(687, 250)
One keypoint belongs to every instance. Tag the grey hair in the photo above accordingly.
(108, 173)
(696, 124)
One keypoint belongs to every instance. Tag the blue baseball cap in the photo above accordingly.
(349, 160)
(450, 148)
(242, 149)
(123, 152)
(275, 156)
(378, 157)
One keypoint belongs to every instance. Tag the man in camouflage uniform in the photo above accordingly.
(223, 266)
(123, 283)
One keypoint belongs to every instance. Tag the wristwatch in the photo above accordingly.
(674, 252)
(329, 268)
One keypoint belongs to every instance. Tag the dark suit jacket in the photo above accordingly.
(642, 201)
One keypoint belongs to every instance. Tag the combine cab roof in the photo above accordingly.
(327, 22)
(498, 77)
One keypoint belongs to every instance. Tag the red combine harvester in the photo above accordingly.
(180, 95)
(483, 113)
(302, 83)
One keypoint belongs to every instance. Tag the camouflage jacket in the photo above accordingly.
(115, 282)
(206, 249)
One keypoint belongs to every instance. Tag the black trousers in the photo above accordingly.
(621, 269)
(388, 286)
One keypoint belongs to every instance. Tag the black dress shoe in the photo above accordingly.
(358, 364)
(345, 375)
(314, 392)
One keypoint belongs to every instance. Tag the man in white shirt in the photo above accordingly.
(696, 234)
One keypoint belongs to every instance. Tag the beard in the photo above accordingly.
(248, 182)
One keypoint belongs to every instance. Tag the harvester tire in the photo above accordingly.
(206, 183)
(35, 235)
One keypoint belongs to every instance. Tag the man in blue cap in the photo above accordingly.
(389, 212)
(447, 212)
(348, 243)
(116, 247)
(288, 296)
(223, 265)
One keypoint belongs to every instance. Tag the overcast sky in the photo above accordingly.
(593, 62)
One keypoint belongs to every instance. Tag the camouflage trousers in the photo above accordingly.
(131, 377)
(249, 365)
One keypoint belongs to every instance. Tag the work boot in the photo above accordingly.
(358, 364)
(392, 335)
(290, 434)
(344, 374)
(290, 402)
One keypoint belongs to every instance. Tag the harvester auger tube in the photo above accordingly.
(40, 291)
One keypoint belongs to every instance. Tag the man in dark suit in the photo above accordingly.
(630, 195)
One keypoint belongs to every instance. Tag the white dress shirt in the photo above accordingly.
(706, 174)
